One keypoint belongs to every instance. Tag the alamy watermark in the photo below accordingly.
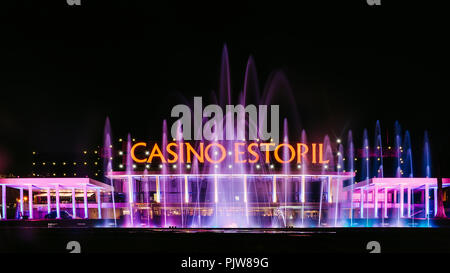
(237, 126)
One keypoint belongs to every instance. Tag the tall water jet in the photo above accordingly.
(224, 79)
(328, 157)
(183, 181)
(398, 144)
(426, 156)
(304, 167)
(130, 186)
(107, 163)
(365, 173)
(406, 157)
(350, 167)
(339, 169)
(378, 153)
(286, 170)
(163, 182)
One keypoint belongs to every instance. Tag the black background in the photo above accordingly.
(64, 69)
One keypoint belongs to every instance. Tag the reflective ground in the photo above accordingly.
(220, 241)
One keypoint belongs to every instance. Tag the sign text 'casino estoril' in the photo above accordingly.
(242, 152)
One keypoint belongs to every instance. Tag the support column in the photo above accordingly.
(186, 190)
(409, 202)
(303, 190)
(216, 190)
(402, 200)
(375, 202)
(30, 201)
(361, 203)
(58, 212)
(158, 191)
(351, 202)
(245, 188)
(99, 204)
(49, 201)
(4, 202)
(74, 206)
(385, 202)
(131, 199)
(426, 198)
(274, 189)
(21, 202)
(329, 196)
(85, 201)
(435, 201)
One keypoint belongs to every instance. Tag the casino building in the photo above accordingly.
(183, 195)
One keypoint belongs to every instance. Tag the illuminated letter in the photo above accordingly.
(253, 153)
(291, 149)
(222, 150)
(175, 156)
(137, 160)
(190, 149)
(313, 153)
(156, 152)
(301, 154)
(266, 147)
(321, 155)
(237, 152)
(180, 151)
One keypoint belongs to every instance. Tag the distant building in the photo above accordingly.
(84, 163)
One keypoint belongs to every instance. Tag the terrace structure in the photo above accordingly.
(43, 195)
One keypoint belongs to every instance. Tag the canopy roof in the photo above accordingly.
(46, 183)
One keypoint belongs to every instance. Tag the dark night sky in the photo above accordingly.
(64, 69)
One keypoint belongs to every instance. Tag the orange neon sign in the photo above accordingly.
(242, 152)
